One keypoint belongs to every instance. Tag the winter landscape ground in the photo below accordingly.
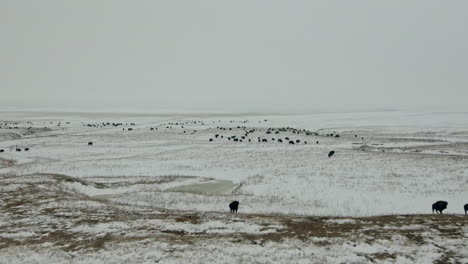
(153, 188)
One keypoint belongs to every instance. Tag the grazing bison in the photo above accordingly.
(466, 208)
(18, 149)
(90, 143)
(234, 206)
(211, 139)
(298, 141)
(317, 142)
(264, 140)
(280, 141)
(26, 149)
(439, 206)
(331, 153)
(291, 142)
(2, 150)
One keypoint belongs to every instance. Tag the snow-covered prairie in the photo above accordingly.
(405, 162)
(385, 163)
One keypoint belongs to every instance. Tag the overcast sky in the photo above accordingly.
(234, 55)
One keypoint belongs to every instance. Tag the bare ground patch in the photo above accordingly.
(41, 212)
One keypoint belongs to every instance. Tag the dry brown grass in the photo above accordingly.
(21, 203)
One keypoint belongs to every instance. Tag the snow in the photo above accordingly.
(299, 179)
(341, 221)
(405, 162)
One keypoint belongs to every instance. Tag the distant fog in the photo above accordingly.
(234, 56)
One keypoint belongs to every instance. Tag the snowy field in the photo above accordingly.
(159, 192)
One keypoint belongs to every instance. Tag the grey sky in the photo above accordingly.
(234, 55)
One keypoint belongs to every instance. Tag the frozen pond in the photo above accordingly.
(210, 188)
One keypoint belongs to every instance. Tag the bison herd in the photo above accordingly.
(438, 207)
(16, 149)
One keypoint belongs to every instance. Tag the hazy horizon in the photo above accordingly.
(243, 56)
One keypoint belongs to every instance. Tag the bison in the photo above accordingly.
(291, 142)
(234, 206)
(90, 143)
(439, 206)
(466, 208)
(331, 153)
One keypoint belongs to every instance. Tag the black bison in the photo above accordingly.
(439, 206)
(264, 140)
(26, 149)
(211, 139)
(234, 206)
(18, 149)
(466, 208)
(90, 143)
(2, 150)
(298, 141)
(280, 141)
(331, 153)
(317, 142)
(291, 142)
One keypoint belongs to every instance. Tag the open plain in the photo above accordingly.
(155, 188)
